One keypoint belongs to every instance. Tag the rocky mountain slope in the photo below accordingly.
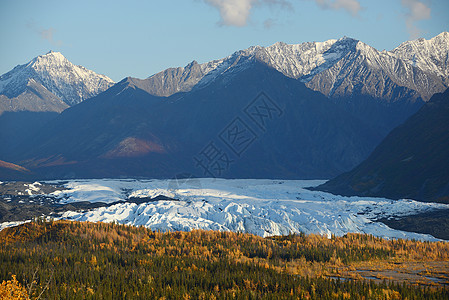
(33, 98)
(411, 162)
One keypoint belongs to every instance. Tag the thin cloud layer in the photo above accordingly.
(45, 34)
(416, 11)
(351, 6)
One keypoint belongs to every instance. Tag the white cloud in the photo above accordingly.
(237, 12)
(47, 34)
(416, 11)
(351, 6)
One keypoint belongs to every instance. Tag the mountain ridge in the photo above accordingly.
(320, 66)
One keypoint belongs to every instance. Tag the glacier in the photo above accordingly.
(262, 207)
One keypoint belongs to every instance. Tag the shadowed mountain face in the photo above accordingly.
(9, 171)
(411, 162)
(17, 127)
(257, 123)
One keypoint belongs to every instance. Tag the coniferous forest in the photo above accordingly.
(80, 260)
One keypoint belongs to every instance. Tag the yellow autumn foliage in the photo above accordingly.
(12, 289)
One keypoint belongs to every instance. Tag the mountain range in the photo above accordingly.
(126, 131)
(336, 68)
(331, 103)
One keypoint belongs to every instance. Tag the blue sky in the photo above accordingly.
(141, 37)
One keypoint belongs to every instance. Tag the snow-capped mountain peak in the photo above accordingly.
(294, 60)
(331, 67)
(50, 58)
(429, 55)
(71, 83)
